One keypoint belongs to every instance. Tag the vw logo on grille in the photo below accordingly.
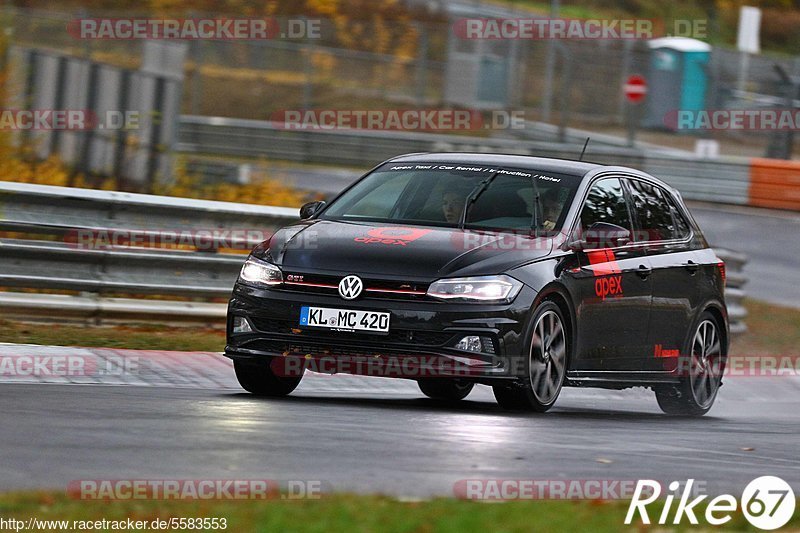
(350, 287)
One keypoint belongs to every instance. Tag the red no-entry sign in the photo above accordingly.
(635, 89)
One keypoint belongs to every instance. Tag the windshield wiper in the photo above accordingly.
(473, 197)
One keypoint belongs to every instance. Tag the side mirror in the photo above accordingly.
(310, 209)
(605, 235)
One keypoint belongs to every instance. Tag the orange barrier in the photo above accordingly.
(775, 183)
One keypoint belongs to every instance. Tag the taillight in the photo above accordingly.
(721, 267)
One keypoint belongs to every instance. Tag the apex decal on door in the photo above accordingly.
(610, 286)
(392, 236)
(604, 264)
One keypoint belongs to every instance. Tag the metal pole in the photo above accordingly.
(779, 146)
(197, 48)
(307, 72)
(549, 67)
(154, 147)
(564, 97)
(422, 64)
(30, 91)
(84, 163)
(631, 120)
(121, 140)
(744, 65)
(627, 46)
(61, 91)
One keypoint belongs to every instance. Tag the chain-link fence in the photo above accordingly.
(572, 82)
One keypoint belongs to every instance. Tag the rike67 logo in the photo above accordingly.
(767, 502)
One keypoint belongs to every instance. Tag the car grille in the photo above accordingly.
(373, 288)
(395, 336)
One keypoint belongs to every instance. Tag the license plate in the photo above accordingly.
(344, 319)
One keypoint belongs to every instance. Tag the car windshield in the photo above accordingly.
(438, 194)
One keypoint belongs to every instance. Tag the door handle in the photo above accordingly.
(644, 271)
(692, 267)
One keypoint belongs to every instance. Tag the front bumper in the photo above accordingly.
(420, 343)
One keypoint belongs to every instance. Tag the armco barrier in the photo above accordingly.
(183, 280)
(730, 180)
(735, 281)
(775, 183)
(145, 284)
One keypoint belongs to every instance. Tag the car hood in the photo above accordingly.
(395, 250)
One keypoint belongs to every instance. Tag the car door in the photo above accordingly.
(613, 285)
(666, 237)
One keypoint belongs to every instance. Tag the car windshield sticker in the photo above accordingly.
(481, 169)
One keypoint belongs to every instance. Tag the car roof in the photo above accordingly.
(546, 164)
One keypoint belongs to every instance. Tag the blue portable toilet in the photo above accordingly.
(678, 79)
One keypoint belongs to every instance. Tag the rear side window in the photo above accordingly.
(682, 229)
(606, 203)
(653, 214)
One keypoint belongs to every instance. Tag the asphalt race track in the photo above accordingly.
(376, 435)
(186, 418)
(770, 239)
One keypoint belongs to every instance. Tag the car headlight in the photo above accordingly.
(500, 288)
(260, 273)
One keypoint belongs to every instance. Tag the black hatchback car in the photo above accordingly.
(526, 274)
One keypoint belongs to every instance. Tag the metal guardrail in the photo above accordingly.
(735, 281)
(119, 283)
(724, 179)
(102, 273)
(58, 210)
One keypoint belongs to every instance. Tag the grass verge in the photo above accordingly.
(344, 512)
(131, 337)
(773, 330)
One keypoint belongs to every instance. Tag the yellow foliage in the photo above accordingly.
(324, 64)
(18, 165)
(263, 191)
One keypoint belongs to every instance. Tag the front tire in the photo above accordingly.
(257, 377)
(701, 372)
(450, 390)
(546, 364)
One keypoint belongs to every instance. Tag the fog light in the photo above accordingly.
(470, 343)
(241, 325)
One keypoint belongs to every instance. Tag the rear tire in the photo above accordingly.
(257, 377)
(451, 390)
(701, 372)
(546, 364)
